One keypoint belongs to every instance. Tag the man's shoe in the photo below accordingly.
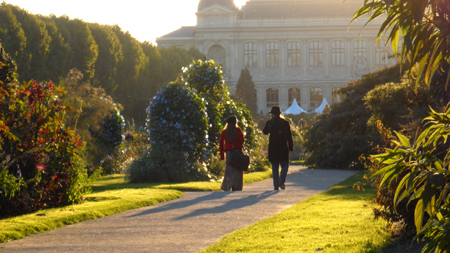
(281, 183)
(275, 189)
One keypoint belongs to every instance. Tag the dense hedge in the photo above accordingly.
(47, 47)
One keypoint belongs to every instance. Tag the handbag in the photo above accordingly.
(238, 159)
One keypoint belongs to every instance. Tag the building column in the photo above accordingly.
(305, 58)
(283, 98)
(261, 99)
(305, 91)
(326, 56)
(261, 54)
(349, 55)
(283, 58)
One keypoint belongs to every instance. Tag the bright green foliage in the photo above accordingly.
(246, 91)
(424, 27)
(421, 168)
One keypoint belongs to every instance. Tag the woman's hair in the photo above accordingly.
(231, 128)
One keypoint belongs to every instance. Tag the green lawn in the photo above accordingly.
(111, 195)
(339, 220)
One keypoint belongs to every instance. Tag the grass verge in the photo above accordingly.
(339, 220)
(119, 182)
(97, 205)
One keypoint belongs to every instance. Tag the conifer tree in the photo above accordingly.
(246, 92)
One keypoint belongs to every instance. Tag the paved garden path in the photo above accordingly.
(188, 224)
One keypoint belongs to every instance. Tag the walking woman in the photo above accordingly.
(231, 138)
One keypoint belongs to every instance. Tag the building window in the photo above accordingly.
(294, 93)
(337, 96)
(272, 97)
(381, 55)
(294, 53)
(250, 55)
(272, 54)
(338, 53)
(359, 49)
(316, 97)
(315, 53)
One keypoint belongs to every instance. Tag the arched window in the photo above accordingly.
(271, 97)
(316, 97)
(338, 53)
(315, 53)
(381, 54)
(272, 54)
(337, 97)
(294, 53)
(359, 49)
(250, 55)
(294, 93)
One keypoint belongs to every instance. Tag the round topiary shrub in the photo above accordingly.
(177, 124)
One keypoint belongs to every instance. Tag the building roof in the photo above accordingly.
(183, 32)
(256, 9)
(203, 4)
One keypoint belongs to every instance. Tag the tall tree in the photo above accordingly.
(129, 90)
(246, 91)
(12, 35)
(110, 55)
(33, 64)
(83, 46)
(59, 51)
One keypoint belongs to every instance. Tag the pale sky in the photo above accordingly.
(144, 19)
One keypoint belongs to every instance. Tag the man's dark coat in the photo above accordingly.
(280, 139)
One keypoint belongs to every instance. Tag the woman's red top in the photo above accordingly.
(227, 145)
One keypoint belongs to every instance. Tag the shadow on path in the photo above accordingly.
(182, 204)
(230, 205)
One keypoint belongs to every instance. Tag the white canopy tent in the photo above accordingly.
(294, 109)
(320, 109)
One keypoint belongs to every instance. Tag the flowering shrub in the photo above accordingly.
(39, 152)
(177, 127)
(206, 78)
(177, 120)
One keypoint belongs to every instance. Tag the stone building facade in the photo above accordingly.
(303, 49)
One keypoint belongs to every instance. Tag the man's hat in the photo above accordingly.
(275, 110)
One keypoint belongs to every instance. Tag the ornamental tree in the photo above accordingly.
(177, 121)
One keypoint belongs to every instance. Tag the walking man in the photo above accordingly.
(280, 145)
